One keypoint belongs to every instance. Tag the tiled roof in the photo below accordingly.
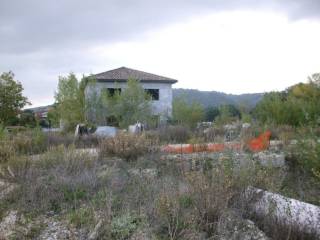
(123, 74)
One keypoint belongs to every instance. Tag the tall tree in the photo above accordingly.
(227, 114)
(211, 113)
(11, 98)
(187, 114)
(95, 108)
(70, 100)
(130, 105)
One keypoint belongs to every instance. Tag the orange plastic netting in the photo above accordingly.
(257, 144)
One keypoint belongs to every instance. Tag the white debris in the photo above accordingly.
(56, 230)
(51, 130)
(288, 211)
(229, 127)
(204, 124)
(105, 131)
(93, 152)
(246, 125)
(7, 225)
(136, 128)
(270, 159)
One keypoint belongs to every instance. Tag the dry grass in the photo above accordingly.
(174, 134)
(35, 141)
(137, 191)
(61, 176)
(127, 146)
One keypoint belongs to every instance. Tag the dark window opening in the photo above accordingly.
(154, 93)
(112, 91)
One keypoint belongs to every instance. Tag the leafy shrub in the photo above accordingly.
(126, 146)
(298, 105)
(187, 114)
(123, 226)
(305, 156)
(284, 133)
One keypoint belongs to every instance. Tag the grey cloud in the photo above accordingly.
(41, 39)
(38, 24)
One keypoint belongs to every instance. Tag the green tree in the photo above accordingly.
(95, 107)
(211, 113)
(28, 119)
(11, 98)
(130, 105)
(245, 112)
(186, 114)
(70, 100)
(53, 116)
(298, 105)
(227, 113)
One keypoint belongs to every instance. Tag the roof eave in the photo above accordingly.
(171, 81)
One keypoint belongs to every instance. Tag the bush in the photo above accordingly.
(6, 151)
(55, 181)
(284, 133)
(123, 226)
(35, 141)
(126, 146)
(211, 195)
(173, 213)
(29, 142)
(305, 156)
(174, 134)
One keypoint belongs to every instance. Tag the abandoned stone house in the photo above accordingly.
(160, 89)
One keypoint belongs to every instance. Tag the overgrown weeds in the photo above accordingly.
(174, 134)
(305, 155)
(61, 178)
(128, 189)
(35, 142)
(127, 146)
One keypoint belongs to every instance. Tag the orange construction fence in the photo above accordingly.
(257, 144)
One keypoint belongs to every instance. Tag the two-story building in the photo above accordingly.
(160, 89)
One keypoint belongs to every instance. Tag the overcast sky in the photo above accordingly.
(236, 46)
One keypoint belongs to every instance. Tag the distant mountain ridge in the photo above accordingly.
(214, 98)
(206, 98)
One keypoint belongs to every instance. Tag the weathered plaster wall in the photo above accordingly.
(162, 107)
